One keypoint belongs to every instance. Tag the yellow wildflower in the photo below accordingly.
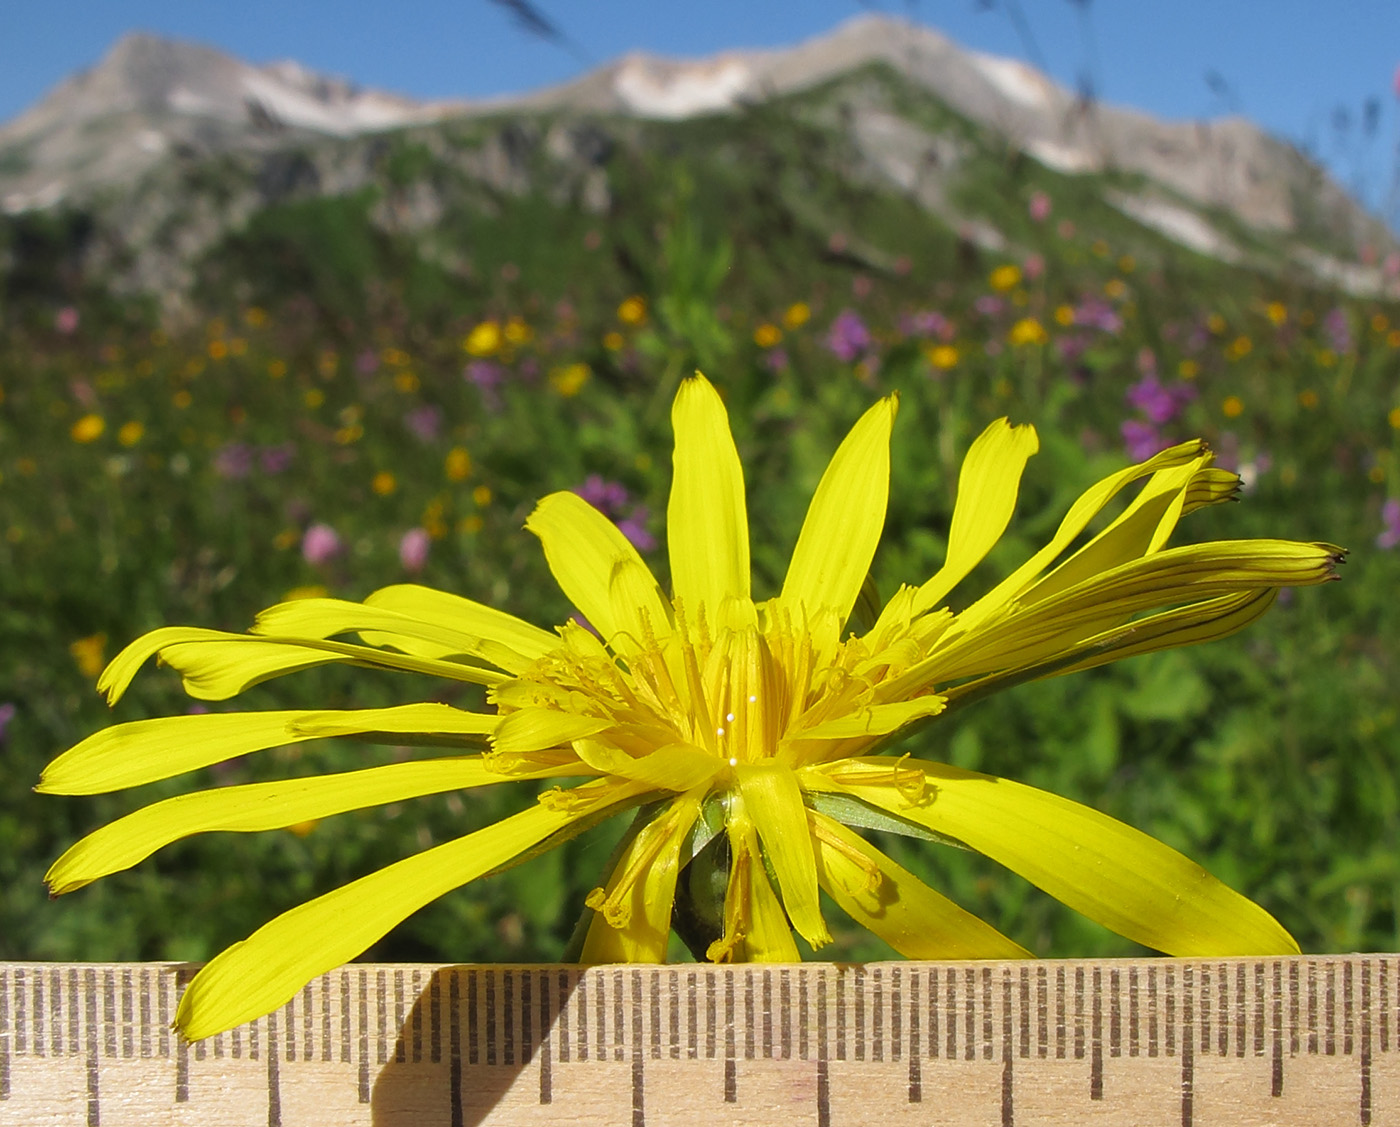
(796, 315)
(1004, 278)
(90, 654)
(942, 356)
(569, 380)
(756, 725)
(484, 340)
(384, 483)
(633, 311)
(458, 464)
(767, 335)
(88, 429)
(1027, 331)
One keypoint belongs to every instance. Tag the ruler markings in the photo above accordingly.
(1188, 1048)
(1008, 1093)
(1347, 1025)
(94, 1095)
(4, 1040)
(673, 1014)
(619, 1028)
(823, 1074)
(896, 1013)
(1221, 1010)
(274, 1085)
(1042, 1013)
(731, 1080)
(750, 1024)
(1096, 1037)
(546, 1042)
(1060, 1023)
(1365, 1042)
(785, 1014)
(916, 1080)
(986, 1013)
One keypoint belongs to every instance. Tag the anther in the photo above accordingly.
(719, 731)
(729, 716)
(733, 763)
(753, 699)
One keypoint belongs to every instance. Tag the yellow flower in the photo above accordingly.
(88, 429)
(569, 380)
(1239, 348)
(1277, 312)
(1027, 331)
(1004, 278)
(796, 315)
(90, 654)
(1233, 407)
(384, 483)
(458, 464)
(1115, 288)
(516, 331)
(1188, 369)
(131, 433)
(484, 340)
(633, 311)
(757, 726)
(767, 335)
(481, 495)
(942, 356)
(1064, 315)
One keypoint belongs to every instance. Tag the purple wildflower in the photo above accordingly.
(413, 549)
(66, 320)
(320, 544)
(1141, 439)
(1338, 329)
(1095, 313)
(1390, 518)
(424, 423)
(1160, 403)
(7, 713)
(234, 461)
(487, 377)
(848, 337)
(367, 362)
(634, 528)
(989, 305)
(277, 459)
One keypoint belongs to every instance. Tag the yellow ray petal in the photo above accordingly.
(585, 552)
(774, 803)
(1127, 881)
(142, 751)
(676, 767)
(259, 806)
(632, 916)
(843, 524)
(707, 524)
(470, 617)
(256, 976)
(533, 729)
(756, 929)
(1089, 504)
(408, 721)
(324, 618)
(987, 488)
(887, 899)
(873, 720)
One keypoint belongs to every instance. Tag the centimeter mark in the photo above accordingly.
(547, 1017)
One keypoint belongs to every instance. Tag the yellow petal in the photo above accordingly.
(1090, 503)
(256, 976)
(142, 751)
(324, 618)
(401, 721)
(873, 720)
(887, 899)
(774, 803)
(533, 729)
(676, 767)
(844, 521)
(987, 487)
(632, 921)
(586, 552)
(467, 616)
(707, 524)
(1127, 881)
(255, 807)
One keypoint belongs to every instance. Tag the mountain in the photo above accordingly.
(166, 149)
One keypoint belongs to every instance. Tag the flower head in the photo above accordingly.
(749, 736)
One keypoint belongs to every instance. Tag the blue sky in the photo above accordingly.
(1288, 64)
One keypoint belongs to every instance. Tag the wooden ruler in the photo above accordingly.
(1310, 1040)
